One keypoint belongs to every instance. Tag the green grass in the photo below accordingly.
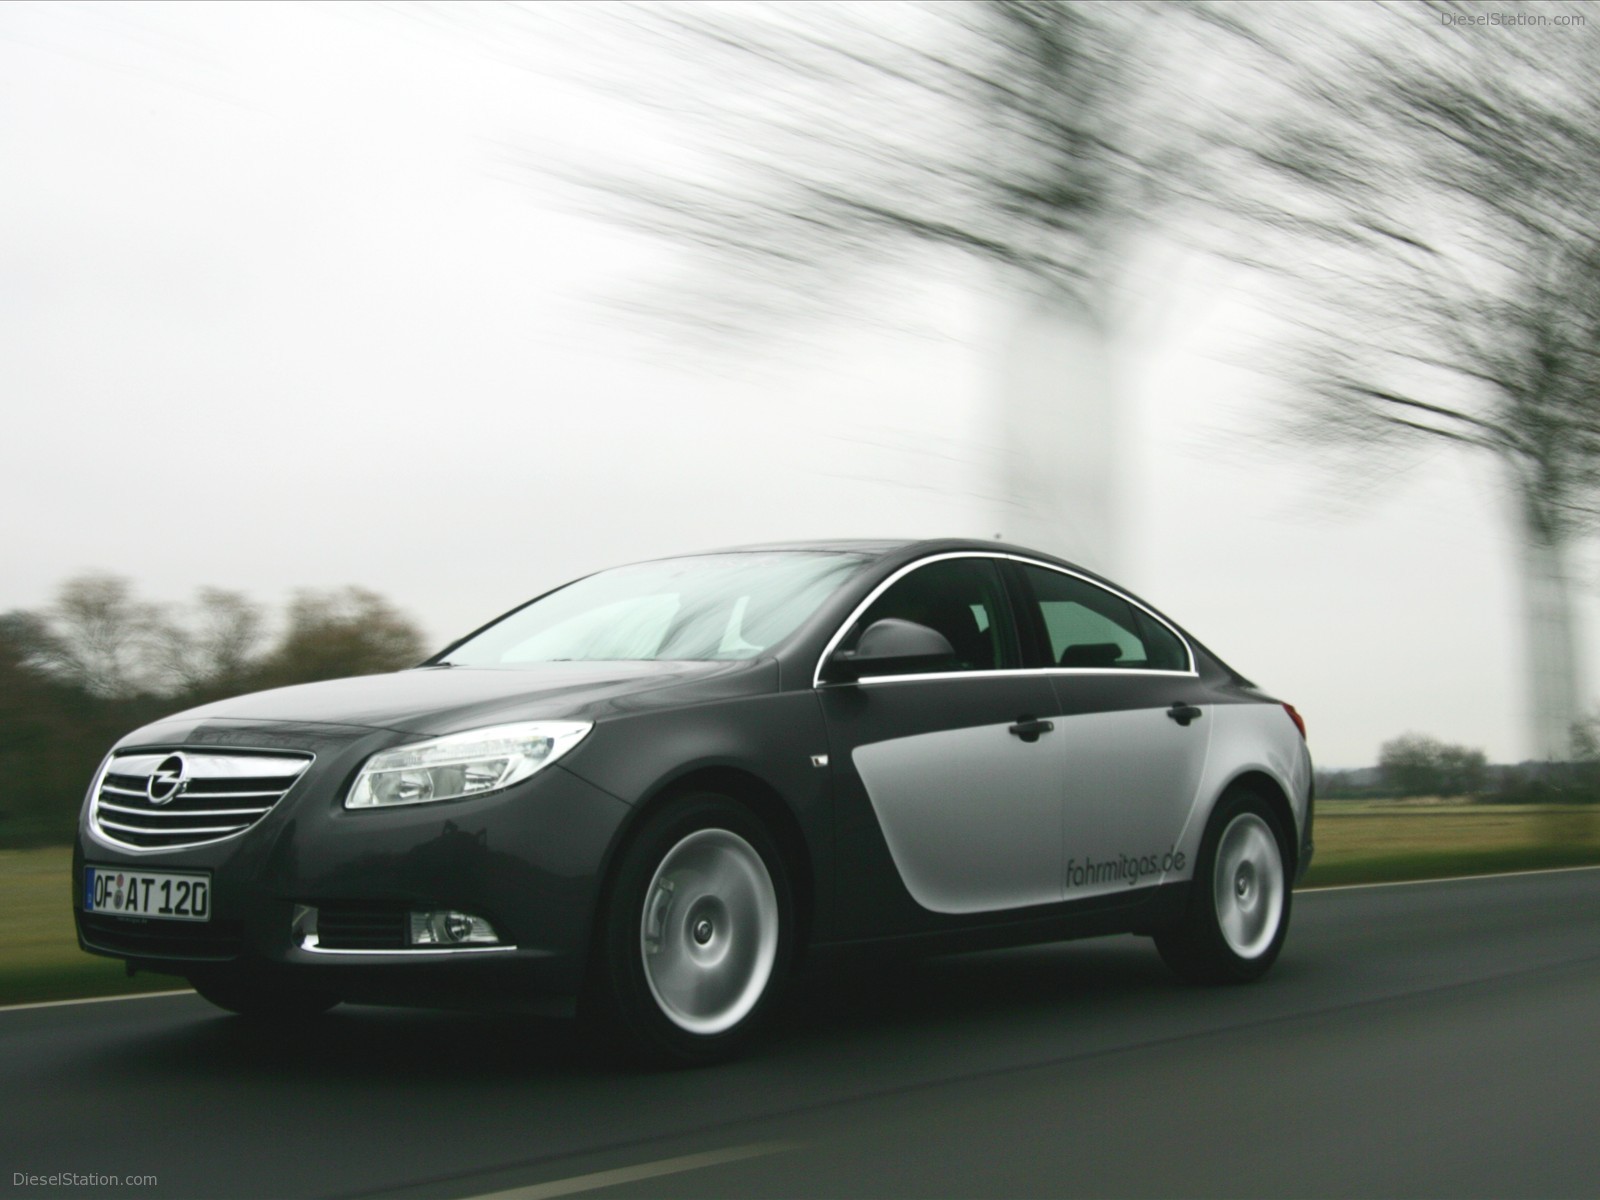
(1358, 841)
(39, 955)
(1381, 841)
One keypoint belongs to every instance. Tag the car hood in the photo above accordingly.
(437, 700)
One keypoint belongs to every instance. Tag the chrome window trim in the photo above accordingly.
(310, 945)
(1126, 599)
(855, 614)
(1030, 671)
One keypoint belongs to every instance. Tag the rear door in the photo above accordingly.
(1132, 737)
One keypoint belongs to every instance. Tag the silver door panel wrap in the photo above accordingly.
(1130, 780)
(1246, 738)
(972, 816)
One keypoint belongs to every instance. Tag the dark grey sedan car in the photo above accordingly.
(639, 796)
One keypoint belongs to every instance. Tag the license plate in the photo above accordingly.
(158, 894)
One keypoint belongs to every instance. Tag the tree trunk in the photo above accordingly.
(1059, 462)
(1552, 650)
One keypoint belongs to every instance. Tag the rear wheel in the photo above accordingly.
(697, 934)
(1238, 910)
(260, 999)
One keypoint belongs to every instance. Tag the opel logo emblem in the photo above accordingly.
(167, 780)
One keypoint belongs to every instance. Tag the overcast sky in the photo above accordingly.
(274, 313)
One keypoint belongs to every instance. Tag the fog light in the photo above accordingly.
(303, 922)
(451, 928)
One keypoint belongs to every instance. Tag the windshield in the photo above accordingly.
(711, 606)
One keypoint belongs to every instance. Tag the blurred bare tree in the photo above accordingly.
(99, 662)
(213, 650)
(1430, 191)
(1422, 189)
(845, 138)
(96, 636)
(845, 151)
(334, 634)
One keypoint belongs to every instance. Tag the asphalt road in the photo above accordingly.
(1421, 1040)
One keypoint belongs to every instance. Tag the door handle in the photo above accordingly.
(1029, 728)
(1184, 713)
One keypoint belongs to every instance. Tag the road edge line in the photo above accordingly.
(1347, 887)
(95, 999)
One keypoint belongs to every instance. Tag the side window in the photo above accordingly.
(1086, 626)
(963, 599)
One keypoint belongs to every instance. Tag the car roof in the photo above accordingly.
(903, 548)
(878, 546)
(869, 546)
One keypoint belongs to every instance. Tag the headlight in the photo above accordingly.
(462, 764)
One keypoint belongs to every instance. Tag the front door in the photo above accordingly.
(945, 792)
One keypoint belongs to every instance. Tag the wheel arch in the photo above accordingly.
(1265, 785)
(763, 800)
(1255, 746)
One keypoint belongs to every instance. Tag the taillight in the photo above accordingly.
(1299, 721)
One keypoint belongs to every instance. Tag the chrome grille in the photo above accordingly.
(188, 797)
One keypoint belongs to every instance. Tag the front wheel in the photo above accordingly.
(696, 935)
(1238, 910)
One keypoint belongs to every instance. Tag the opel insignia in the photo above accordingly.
(640, 796)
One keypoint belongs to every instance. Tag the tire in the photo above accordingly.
(1237, 913)
(261, 999)
(696, 935)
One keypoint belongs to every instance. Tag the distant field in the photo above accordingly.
(1358, 841)
(1371, 841)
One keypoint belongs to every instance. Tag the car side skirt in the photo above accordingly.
(1141, 911)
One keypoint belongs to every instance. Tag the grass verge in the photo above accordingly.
(39, 955)
(26, 984)
(1387, 841)
(1361, 841)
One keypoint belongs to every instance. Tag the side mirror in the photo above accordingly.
(889, 647)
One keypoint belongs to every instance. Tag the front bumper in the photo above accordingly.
(529, 859)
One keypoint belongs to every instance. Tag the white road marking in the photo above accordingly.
(651, 1170)
(1346, 887)
(95, 1000)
